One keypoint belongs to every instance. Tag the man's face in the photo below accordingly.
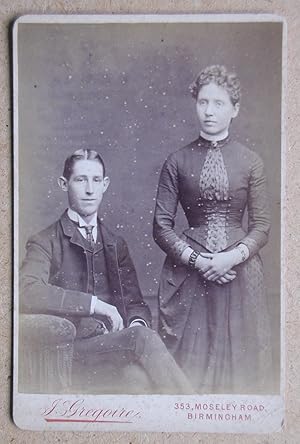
(86, 187)
(215, 109)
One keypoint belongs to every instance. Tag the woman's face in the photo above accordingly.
(215, 109)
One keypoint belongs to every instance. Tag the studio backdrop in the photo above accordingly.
(124, 90)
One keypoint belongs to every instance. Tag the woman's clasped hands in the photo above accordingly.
(217, 267)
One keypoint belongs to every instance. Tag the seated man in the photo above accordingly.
(77, 269)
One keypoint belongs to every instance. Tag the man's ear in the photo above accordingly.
(106, 182)
(62, 183)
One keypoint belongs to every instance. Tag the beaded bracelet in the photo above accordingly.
(193, 258)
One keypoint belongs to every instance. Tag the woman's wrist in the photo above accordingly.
(199, 264)
(241, 253)
(193, 258)
(189, 257)
(185, 255)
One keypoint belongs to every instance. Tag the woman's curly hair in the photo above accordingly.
(219, 75)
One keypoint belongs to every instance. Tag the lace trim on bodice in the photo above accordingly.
(214, 185)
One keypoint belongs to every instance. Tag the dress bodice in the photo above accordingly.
(214, 210)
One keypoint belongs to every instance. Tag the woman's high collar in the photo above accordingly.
(203, 141)
(214, 138)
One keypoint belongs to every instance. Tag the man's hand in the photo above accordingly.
(111, 312)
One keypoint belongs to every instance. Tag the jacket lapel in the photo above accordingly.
(70, 229)
(99, 244)
(111, 257)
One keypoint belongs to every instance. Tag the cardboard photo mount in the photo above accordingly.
(82, 411)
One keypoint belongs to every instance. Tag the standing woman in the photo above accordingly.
(212, 303)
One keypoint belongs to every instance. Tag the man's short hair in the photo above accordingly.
(81, 154)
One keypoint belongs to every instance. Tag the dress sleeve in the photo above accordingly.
(165, 211)
(258, 209)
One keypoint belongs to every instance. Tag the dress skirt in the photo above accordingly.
(220, 334)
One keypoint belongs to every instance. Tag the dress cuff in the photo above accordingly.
(243, 252)
(251, 244)
(178, 248)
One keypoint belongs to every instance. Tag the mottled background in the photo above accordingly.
(10, 9)
(123, 89)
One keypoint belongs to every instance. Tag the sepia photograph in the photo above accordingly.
(148, 191)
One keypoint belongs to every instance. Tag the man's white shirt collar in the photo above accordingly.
(75, 217)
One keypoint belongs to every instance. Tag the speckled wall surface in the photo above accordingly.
(124, 90)
(289, 10)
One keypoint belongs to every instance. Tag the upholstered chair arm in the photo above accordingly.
(45, 353)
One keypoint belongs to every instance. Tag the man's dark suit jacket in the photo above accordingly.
(57, 268)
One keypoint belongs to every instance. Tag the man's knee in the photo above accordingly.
(146, 340)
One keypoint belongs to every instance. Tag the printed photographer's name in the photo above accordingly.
(62, 410)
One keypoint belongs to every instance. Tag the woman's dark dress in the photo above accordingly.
(219, 334)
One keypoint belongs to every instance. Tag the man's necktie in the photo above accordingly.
(89, 234)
